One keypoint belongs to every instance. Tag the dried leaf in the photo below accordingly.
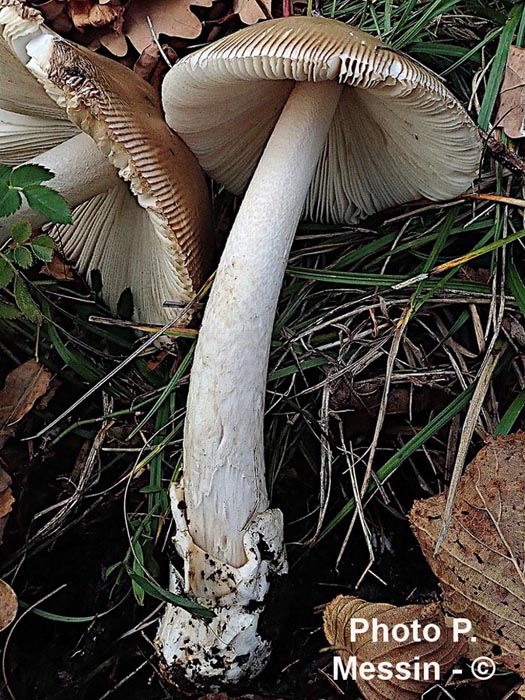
(337, 618)
(151, 66)
(511, 112)
(23, 386)
(6, 499)
(169, 17)
(481, 564)
(115, 42)
(8, 605)
(57, 269)
(251, 11)
(90, 13)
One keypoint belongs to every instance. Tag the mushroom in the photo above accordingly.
(320, 119)
(143, 212)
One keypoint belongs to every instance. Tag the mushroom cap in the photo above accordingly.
(398, 134)
(123, 114)
(164, 224)
(19, 91)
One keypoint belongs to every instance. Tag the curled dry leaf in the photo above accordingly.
(6, 499)
(23, 387)
(511, 111)
(481, 564)
(337, 617)
(90, 13)
(8, 605)
(151, 66)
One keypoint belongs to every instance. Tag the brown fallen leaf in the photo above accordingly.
(8, 605)
(57, 269)
(511, 111)
(151, 66)
(169, 17)
(6, 499)
(23, 387)
(251, 11)
(337, 617)
(481, 564)
(90, 13)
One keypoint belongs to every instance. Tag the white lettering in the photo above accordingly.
(460, 625)
(358, 625)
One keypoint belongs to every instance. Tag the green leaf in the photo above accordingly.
(21, 231)
(138, 568)
(23, 257)
(5, 173)
(30, 175)
(8, 311)
(113, 567)
(155, 591)
(49, 203)
(43, 247)
(10, 200)
(6, 273)
(24, 300)
(511, 415)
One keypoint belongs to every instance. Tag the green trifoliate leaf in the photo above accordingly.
(10, 200)
(43, 247)
(24, 300)
(23, 257)
(21, 231)
(8, 311)
(6, 273)
(30, 175)
(49, 203)
(5, 173)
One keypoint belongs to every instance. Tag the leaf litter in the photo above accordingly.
(481, 563)
(24, 386)
(445, 651)
(8, 605)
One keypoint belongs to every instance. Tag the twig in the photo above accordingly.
(15, 625)
(497, 149)
(489, 365)
(157, 42)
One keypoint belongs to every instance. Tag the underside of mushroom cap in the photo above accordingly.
(51, 90)
(398, 134)
(122, 113)
(114, 235)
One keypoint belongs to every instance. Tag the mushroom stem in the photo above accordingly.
(224, 474)
(81, 172)
(230, 540)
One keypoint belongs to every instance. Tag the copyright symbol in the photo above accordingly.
(483, 668)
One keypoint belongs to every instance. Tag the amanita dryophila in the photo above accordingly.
(321, 120)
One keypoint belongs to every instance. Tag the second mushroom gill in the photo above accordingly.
(144, 211)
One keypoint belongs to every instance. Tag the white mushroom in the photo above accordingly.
(328, 122)
(142, 212)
